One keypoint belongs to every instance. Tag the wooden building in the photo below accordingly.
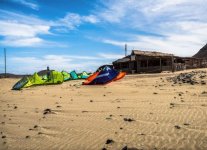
(152, 62)
(145, 61)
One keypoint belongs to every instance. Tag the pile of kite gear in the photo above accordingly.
(50, 77)
(103, 75)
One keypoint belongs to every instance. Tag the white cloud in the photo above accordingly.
(91, 19)
(110, 56)
(178, 26)
(22, 30)
(22, 42)
(113, 12)
(31, 64)
(114, 42)
(149, 10)
(83, 57)
(60, 62)
(178, 45)
(24, 59)
(72, 20)
(28, 4)
(18, 34)
(22, 18)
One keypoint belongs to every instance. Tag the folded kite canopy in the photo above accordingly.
(66, 75)
(82, 75)
(74, 75)
(49, 77)
(120, 76)
(54, 77)
(104, 76)
(90, 78)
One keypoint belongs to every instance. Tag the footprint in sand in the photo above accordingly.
(39, 133)
(3, 137)
(84, 111)
(27, 137)
(204, 92)
(128, 148)
(48, 111)
(109, 141)
(128, 119)
(177, 127)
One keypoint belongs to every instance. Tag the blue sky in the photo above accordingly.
(84, 34)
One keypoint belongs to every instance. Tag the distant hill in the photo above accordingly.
(10, 75)
(202, 53)
(43, 72)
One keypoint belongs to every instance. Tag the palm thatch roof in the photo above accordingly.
(151, 53)
(122, 60)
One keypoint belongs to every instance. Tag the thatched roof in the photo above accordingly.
(122, 60)
(202, 53)
(142, 53)
(151, 53)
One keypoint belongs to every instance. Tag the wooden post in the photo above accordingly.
(147, 63)
(160, 64)
(125, 49)
(5, 61)
(172, 62)
(137, 65)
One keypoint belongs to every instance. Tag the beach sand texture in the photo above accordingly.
(140, 111)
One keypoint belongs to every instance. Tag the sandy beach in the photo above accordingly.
(140, 111)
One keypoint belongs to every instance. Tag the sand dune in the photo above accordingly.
(140, 111)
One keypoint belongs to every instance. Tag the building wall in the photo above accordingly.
(150, 64)
(153, 64)
(145, 64)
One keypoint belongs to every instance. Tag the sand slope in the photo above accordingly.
(84, 117)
